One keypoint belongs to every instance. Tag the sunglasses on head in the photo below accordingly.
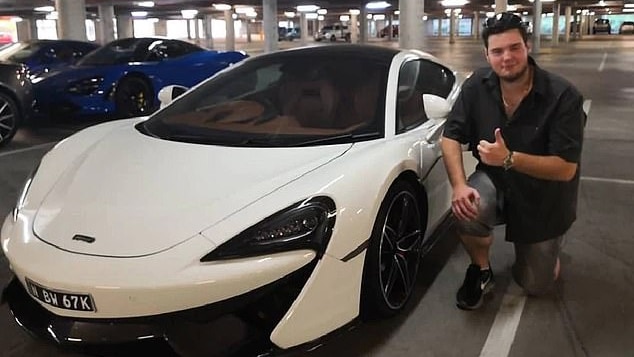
(504, 19)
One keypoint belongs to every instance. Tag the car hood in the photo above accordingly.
(132, 195)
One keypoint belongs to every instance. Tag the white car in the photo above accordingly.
(296, 191)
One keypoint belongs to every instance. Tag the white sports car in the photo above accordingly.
(295, 191)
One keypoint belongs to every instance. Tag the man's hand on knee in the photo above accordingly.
(465, 202)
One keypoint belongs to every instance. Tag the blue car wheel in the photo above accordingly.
(133, 97)
(9, 118)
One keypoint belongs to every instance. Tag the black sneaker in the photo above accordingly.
(476, 284)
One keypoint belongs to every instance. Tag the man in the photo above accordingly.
(524, 125)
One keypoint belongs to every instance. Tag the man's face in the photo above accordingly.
(508, 55)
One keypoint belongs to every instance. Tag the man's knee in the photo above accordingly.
(535, 282)
(483, 224)
(534, 268)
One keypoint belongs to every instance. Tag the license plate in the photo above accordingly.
(60, 299)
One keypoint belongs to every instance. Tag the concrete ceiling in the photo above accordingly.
(171, 8)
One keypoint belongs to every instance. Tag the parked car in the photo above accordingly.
(384, 32)
(601, 26)
(287, 195)
(16, 99)
(45, 55)
(122, 78)
(627, 27)
(333, 33)
(5, 38)
(288, 34)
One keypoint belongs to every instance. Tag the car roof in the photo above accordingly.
(382, 54)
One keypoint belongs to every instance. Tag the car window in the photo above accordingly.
(281, 102)
(416, 78)
(19, 51)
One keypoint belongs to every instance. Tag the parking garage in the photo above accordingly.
(591, 312)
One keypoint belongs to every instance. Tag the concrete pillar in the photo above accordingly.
(105, 29)
(556, 12)
(500, 6)
(476, 25)
(207, 28)
(412, 30)
(568, 18)
(452, 26)
(71, 19)
(537, 26)
(26, 30)
(303, 29)
(363, 29)
(440, 26)
(354, 28)
(269, 22)
(125, 26)
(230, 40)
(160, 27)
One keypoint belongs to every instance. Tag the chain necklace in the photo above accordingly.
(528, 88)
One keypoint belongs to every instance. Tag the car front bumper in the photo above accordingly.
(246, 320)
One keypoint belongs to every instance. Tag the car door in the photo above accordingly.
(420, 77)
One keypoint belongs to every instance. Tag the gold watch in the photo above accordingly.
(508, 161)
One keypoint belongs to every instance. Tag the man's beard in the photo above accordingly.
(515, 77)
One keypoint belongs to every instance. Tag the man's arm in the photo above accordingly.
(544, 167)
(452, 157)
(464, 199)
(549, 167)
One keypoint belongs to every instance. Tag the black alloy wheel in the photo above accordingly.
(394, 253)
(133, 97)
(9, 118)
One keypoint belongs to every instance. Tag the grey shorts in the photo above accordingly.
(534, 262)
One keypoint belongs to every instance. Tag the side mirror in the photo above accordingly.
(167, 94)
(436, 107)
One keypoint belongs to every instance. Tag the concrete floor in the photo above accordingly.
(590, 314)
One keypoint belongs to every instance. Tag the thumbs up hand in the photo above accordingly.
(493, 154)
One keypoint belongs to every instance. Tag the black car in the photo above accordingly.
(45, 55)
(601, 25)
(627, 27)
(16, 99)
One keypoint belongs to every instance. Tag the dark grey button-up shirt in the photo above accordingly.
(549, 121)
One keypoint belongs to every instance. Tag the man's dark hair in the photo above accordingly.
(503, 22)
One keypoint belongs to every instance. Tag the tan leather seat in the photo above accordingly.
(312, 103)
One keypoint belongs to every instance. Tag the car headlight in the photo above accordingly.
(304, 225)
(85, 86)
(22, 196)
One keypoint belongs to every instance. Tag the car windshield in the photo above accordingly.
(19, 51)
(291, 100)
(118, 52)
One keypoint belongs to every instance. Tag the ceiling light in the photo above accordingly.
(321, 18)
(252, 14)
(222, 7)
(344, 18)
(377, 5)
(138, 13)
(289, 14)
(378, 17)
(453, 3)
(189, 14)
(51, 15)
(322, 11)
(307, 8)
(244, 9)
(628, 5)
(355, 11)
(311, 16)
(45, 8)
(145, 4)
(397, 12)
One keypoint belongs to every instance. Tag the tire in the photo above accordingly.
(333, 38)
(394, 253)
(133, 97)
(10, 118)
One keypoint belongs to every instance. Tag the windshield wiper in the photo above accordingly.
(339, 139)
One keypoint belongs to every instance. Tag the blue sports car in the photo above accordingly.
(41, 56)
(122, 78)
